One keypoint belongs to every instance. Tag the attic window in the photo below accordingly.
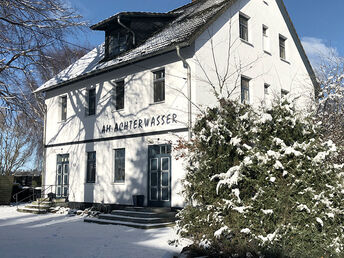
(117, 43)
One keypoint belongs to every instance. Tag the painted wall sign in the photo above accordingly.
(141, 123)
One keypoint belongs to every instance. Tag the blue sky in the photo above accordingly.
(318, 23)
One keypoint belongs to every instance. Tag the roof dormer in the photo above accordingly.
(125, 31)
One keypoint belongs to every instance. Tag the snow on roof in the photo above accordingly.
(192, 20)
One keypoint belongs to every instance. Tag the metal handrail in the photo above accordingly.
(32, 195)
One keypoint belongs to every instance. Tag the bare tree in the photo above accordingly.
(28, 28)
(330, 109)
(15, 145)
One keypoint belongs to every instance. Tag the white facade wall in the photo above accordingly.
(138, 105)
(214, 50)
(249, 59)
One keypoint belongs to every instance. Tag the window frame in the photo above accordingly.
(284, 93)
(243, 89)
(282, 47)
(116, 161)
(63, 108)
(266, 40)
(89, 170)
(155, 82)
(88, 102)
(244, 27)
(117, 85)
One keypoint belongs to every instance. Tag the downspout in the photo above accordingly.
(44, 167)
(188, 67)
(127, 28)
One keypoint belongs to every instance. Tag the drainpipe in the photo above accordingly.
(127, 28)
(188, 67)
(44, 167)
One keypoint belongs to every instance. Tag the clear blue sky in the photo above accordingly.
(318, 23)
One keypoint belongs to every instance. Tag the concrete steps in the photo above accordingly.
(144, 218)
(42, 206)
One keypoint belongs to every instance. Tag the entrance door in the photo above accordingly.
(159, 176)
(62, 176)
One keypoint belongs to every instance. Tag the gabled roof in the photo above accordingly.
(192, 19)
(101, 25)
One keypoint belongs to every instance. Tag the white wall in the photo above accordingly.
(138, 104)
(249, 58)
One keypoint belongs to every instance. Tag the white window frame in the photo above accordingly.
(242, 98)
(114, 166)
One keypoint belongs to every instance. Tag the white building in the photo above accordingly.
(113, 115)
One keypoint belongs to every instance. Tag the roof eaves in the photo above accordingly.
(113, 67)
(133, 14)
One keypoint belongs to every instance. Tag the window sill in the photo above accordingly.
(282, 59)
(90, 183)
(62, 122)
(267, 52)
(246, 42)
(157, 103)
(118, 183)
(118, 110)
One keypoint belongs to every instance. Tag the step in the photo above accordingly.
(36, 206)
(142, 214)
(135, 219)
(148, 209)
(129, 224)
(32, 210)
(41, 203)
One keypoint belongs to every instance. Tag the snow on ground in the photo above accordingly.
(53, 235)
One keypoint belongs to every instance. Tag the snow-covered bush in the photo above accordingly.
(262, 183)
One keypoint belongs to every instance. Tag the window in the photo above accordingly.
(159, 85)
(282, 41)
(91, 102)
(91, 167)
(266, 89)
(243, 23)
(266, 43)
(63, 108)
(284, 93)
(120, 166)
(119, 95)
(245, 90)
(118, 42)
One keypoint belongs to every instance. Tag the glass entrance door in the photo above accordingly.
(62, 176)
(159, 179)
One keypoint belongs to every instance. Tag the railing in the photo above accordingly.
(33, 195)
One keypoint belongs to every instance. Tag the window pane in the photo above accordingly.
(159, 86)
(165, 164)
(282, 48)
(119, 95)
(120, 165)
(91, 102)
(63, 108)
(164, 193)
(154, 194)
(159, 91)
(243, 27)
(245, 94)
(154, 164)
(164, 181)
(154, 179)
(91, 167)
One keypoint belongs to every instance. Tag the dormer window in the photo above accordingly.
(117, 42)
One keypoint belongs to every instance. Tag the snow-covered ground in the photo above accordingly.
(53, 235)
